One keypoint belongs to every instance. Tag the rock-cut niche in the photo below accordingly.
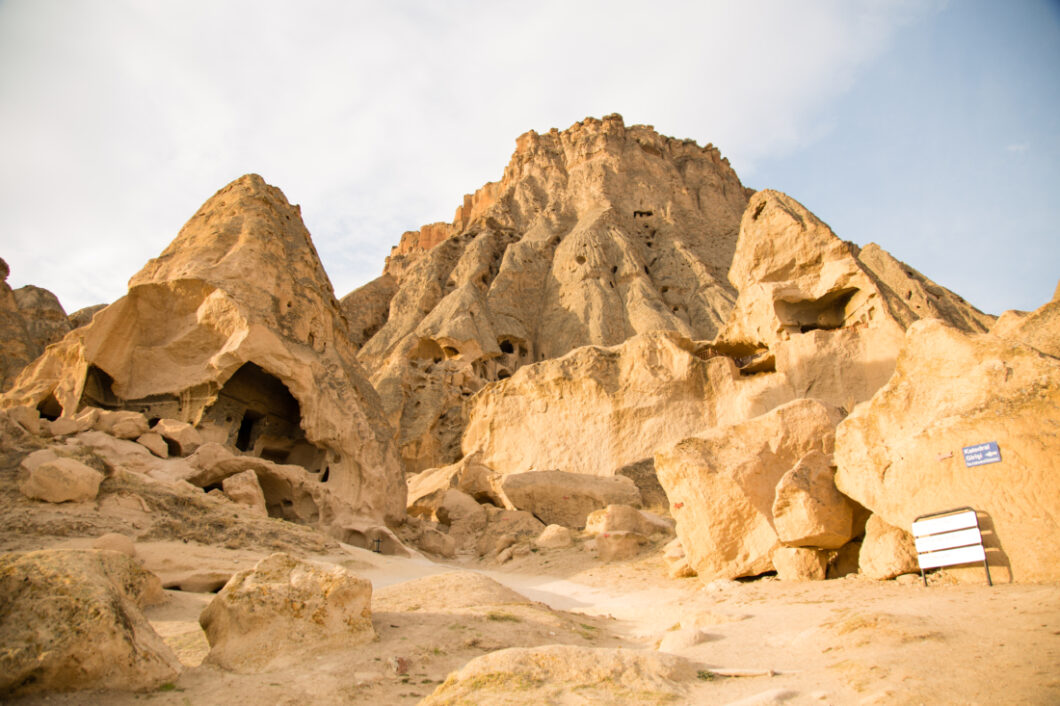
(256, 414)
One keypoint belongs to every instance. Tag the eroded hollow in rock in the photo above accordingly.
(256, 414)
(98, 391)
(49, 408)
(828, 312)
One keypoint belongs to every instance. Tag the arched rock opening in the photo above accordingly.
(256, 414)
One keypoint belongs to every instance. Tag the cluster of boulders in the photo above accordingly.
(73, 619)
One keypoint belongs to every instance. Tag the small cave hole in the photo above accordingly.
(49, 408)
(507, 347)
(614, 269)
(326, 474)
(172, 447)
(664, 290)
(450, 352)
(758, 211)
(503, 374)
(580, 260)
(642, 214)
(246, 429)
(275, 455)
(646, 270)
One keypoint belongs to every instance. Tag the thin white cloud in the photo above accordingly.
(117, 119)
(1019, 147)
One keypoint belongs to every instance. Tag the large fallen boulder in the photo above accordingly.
(808, 510)
(561, 498)
(60, 480)
(901, 456)
(283, 610)
(263, 364)
(550, 674)
(70, 620)
(722, 485)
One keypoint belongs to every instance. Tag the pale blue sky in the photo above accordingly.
(929, 127)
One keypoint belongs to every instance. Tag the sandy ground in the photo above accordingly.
(846, 641)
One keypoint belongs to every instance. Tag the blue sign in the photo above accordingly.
(981, 454)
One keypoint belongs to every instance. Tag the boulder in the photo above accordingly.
(800, 563)
(886, 551)
(243, 488)
(506, 527)
(554, 537)
(183, 437)
(550, 674)
(616, 546)
(465, 518)
(808, 510)
(284, 610)
(71, 621)
(432, 541)
(560, 498)
(121, 424)
(265, 364)
(901, 456)
(428, 488)
(60, 480)
(623, 518)
(154, 443)
(722, 485)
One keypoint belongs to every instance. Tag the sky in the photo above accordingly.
(931, 128)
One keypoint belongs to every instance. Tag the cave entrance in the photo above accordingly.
(49, 408)
(827, 313)
(258, 415)
(98, 390)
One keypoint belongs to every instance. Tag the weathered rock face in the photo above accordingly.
(808, 510)
(722, 485)
(830, 315)
(30, 319)
(900, 454)
(70, 620)
(596, 410)
(560, 498)
(283, 609)
(235, 330)
(60, 480)
(887, 551)
(593, 235)
(553, 672)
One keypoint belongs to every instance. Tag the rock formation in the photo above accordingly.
(234, 330)
(31, 318)
(71, 621)
(900, 455)
(593, 235)
(271, 614)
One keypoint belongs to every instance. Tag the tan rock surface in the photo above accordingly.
(561, 498)
(597, 410)
(61, 480)
(1038, 329)
(545, 674)
(594, 234)
(808, 510)
(244, 489)
(900, 454)
(722, 485)
(831, 314)
(72, 621)
(46, 320)
(554, 537)
(264, 364)
(800, 563)
(886, 551)
(623, 518)
(17, 346)
(282, 608)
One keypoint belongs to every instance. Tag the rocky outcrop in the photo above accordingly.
(560, 498)
(282, 610)
(70, 621)
(597, 410)
(828, 315)
(722, 485)
(593, 235)
(262, 363)
(31, 318)
(900, 455)
(59, 480)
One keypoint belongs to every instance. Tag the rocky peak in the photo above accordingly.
(593, 235)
